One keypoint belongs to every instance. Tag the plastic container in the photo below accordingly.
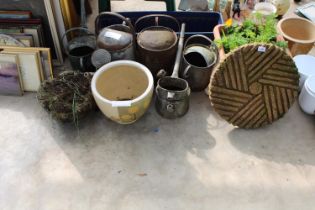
(306, 67)
(265, 8)
(307, 96)
(123, 90)
(196, 22)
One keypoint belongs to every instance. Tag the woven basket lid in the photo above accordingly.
(255, 85)
(157, 38)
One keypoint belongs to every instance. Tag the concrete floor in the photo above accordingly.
(196, 162)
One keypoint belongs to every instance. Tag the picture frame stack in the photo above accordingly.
(23, 69)
(38, 25)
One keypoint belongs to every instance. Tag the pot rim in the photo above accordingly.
(291, 38)
(175, 91)
(266, 4)
(110, 65)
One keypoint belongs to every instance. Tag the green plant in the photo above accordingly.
(255, 29)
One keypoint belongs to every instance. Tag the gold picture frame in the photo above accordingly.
(71, 19)
(45, 58)
(30, 69)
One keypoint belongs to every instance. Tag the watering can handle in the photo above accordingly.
(212, 44)
(179, 51)
(124, 19)
(83, 14)
(199, 36)
(74, 29)
(156, 20)
(186, 72)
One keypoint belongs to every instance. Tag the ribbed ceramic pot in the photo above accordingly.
(123, 90)
(300, 34)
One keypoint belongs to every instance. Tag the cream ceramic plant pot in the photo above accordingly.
(300, 34)
(265, 8)
(123, 90)
(281, 5)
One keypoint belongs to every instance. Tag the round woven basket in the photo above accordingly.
(254, 85)
(68, 98)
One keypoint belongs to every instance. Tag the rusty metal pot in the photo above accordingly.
(117, 39)
(157, 45)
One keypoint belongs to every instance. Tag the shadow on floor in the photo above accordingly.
(284, 141)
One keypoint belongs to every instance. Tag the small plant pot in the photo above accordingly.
(123, 90)
(265, 8)
(281, 5)
(300, 34)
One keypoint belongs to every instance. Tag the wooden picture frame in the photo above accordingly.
(40, 10)
(10, 76)
(30, 69)
(45, 58)
(60, 23)
(53, 28)
(15, 15)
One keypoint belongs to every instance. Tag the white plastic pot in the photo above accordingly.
(306, 67)
(307, 96)
(265, 8)
(123, 90)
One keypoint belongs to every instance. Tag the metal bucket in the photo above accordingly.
(157, 45)
(199, 57)
(81, 45)
(173, 93)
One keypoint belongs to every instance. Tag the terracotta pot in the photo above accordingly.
(123, 90)
(217, 35)
(300, 34)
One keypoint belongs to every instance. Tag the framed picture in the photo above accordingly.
(10, 80)
(59, 21)
(30, 69)
(39, 9)
(15, 14)
(54, 32)
(35, 30)
(45, 58)
(26, 39)
(6, 40)
(71, 19)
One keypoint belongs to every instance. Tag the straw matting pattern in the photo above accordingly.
(255, 85)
